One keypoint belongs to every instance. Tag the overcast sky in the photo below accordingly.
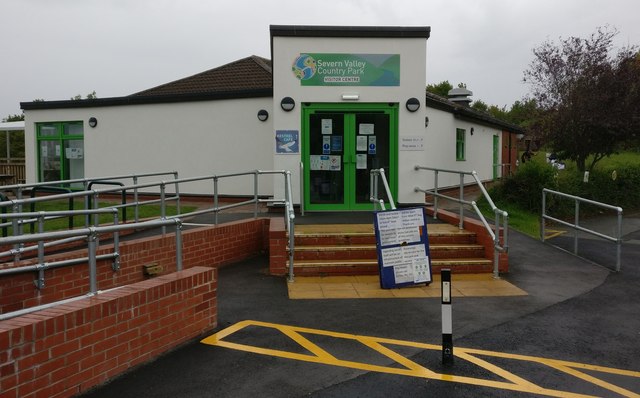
(56, 49)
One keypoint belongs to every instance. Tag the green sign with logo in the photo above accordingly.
(347, 69)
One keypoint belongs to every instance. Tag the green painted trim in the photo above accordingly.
(60, 138)
(349, 111)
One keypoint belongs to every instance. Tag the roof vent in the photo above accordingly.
(460, 96)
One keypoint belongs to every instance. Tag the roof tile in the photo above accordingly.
(251, 73)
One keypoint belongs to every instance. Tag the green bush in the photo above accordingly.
(524, 188)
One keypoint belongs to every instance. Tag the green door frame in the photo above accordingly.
(496, 156)
(348, 162)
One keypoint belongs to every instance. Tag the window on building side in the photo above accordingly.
(460, 144)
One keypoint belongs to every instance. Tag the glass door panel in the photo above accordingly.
(372, 152)
(50, 167)
(326, 151)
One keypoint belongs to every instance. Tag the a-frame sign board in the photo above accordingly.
(403, 247)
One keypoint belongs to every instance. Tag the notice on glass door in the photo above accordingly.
(327, 126)
(361, 161)
(361, 143)
(366, 128)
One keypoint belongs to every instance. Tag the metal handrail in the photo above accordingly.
(374, 176)
(17, 204)
(91, 235)
(41, 217)
(576, 225)
(493, 232)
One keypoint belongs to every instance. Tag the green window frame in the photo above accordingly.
(460, 144)
(53, 139)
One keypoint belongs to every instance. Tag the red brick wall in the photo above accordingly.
(278, 244)
(67, 349)
(207, 246)
(482, 236)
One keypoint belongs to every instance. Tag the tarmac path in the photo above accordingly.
(579, 322)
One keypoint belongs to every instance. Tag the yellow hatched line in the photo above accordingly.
(515, 383)
(552, 233)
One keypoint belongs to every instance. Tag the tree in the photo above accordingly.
(91, 95)
(588, 95)
(14, 118)
(442, 89)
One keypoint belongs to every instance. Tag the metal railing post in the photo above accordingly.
(163, 205)
(40, 282)
(136, 210)
(177, 189)
(496, 244)
(115, 266)
(93, 265)
(255, 193)
(178, 245)
(619, 240)
(215, 200)
(87, 204)
(461, 204)
(577, 224)
(435, 197)
(543, 214)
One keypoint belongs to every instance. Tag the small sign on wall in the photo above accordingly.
(287, 141)
(412, 143)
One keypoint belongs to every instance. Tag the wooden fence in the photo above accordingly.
(12, 171)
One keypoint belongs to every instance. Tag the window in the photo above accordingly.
(60, 151)
(460, 144)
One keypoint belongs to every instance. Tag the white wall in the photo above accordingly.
(193, 138)
(412, 84)
(441, 150)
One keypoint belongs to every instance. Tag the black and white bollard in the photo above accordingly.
(447, 319)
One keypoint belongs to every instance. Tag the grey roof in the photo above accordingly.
(464, 112)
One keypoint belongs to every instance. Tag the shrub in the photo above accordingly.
(524, 188)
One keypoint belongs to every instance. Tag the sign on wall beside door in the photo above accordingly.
(287, 141)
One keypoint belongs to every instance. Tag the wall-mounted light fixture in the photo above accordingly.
(412, 104)
(519, 136)
(263, 115)
(426, 121)
(287, 104)
(350, 97)
(93, 122)
(471, 130)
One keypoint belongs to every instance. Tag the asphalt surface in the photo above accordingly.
(575, 311)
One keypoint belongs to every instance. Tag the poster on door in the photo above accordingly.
(402, 243)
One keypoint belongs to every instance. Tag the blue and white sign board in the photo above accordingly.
(287, 141)
(403, 247)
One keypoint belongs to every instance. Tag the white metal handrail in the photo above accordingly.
(374, 176)
(17, 204)
(91, 235)
(499, 214)
(576, 224)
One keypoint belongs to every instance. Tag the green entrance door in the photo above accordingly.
(341, 146)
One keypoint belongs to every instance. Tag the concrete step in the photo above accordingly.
(370, 267)
(368, 251)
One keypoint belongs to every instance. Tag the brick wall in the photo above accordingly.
(69, 348)
(207, 246)
(482, 236)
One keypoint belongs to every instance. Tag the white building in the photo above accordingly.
(333, 103)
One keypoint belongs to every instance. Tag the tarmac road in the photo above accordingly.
(575, 311)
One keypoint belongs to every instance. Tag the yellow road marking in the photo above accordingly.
(513, 383)
(552, 233)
